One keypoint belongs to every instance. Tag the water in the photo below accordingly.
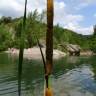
(72, 76)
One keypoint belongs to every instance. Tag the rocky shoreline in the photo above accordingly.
(34, 53)
(87, 53)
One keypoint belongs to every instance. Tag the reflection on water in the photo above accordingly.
(72, 76)
(77, 82)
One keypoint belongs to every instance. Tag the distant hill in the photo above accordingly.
(10, 33)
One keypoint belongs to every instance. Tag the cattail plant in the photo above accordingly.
(49, 45)
(48, 64)
(21, 50)
(49, 37)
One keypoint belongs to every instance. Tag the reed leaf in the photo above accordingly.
(43, 59)
(21, 51)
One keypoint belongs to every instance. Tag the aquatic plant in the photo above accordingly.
(21, 50)
(49, 46)
(48, 64)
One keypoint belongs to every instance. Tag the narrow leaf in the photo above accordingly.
(21, 51)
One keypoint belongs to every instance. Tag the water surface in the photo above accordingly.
(72, 76)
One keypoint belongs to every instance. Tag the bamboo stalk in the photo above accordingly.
(21, 51)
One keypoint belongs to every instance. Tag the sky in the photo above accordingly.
(76, 15)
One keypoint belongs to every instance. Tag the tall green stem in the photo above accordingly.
(21, 51)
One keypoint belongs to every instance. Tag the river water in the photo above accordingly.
(72, 76)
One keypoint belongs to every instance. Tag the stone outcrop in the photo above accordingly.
(72, 49)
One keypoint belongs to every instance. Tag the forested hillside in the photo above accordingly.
(10, 29)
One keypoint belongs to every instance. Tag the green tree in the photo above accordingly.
(5, 38)
(93, 43)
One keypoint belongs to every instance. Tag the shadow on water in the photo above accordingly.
(72, 76)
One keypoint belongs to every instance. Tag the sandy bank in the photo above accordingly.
(86, 53)
(34, 53)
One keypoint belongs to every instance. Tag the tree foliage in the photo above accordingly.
(36, 25)
(5, 38)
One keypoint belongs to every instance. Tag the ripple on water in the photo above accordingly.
(76, 81)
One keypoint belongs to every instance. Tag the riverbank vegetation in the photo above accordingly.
(36, 25)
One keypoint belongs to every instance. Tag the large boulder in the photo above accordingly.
(71, 48)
